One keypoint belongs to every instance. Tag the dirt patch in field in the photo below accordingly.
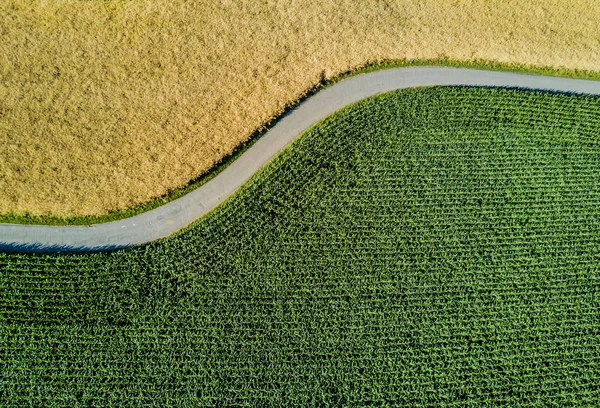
(105, 105)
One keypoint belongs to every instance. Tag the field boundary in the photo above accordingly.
(175, 215)
(20, 218)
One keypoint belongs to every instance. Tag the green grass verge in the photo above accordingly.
(117, 215)
(430, 247)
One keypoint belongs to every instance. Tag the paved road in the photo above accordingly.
(169, 218)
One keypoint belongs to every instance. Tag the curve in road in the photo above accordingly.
(175, 215)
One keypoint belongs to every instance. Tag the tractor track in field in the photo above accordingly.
(177, 214)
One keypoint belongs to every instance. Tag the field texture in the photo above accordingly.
(105, 105)
(430, 247)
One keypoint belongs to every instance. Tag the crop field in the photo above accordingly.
(106, 105)
(430, 247)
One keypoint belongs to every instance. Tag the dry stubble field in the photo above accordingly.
(105, 105)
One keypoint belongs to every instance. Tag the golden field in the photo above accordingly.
(105, 105)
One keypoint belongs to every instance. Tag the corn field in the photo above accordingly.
(431, 247)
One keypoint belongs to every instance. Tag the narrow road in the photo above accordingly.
(169, 218)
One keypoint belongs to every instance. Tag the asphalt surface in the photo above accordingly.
(175, 215)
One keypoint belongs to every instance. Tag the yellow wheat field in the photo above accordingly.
(108, 104)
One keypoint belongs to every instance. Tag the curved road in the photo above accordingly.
(169, 218)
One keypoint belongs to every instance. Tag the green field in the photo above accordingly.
(438, 246)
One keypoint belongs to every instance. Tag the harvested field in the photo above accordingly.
(430, 247)
(105, 105)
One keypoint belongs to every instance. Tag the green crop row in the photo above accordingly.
(431, 247)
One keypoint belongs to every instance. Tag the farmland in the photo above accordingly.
(436, 246)
(105, 105)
